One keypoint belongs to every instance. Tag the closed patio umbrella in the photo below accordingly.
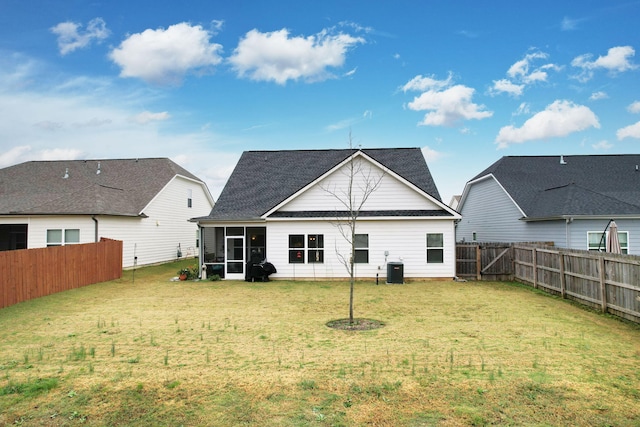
(613, 243)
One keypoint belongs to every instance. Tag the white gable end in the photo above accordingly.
(328, 193)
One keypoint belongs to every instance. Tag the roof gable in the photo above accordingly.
(553, 186)
(326, 193)
(264, 179)
(96, 187)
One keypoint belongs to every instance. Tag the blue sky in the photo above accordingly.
(202, 81)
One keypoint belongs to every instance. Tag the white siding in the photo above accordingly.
(154, 239)
(37, 227)
(404, 240)
(391, 194)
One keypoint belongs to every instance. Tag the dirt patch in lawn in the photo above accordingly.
(355, 324)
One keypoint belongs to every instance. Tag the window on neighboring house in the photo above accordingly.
(296, 249)
(189, 198)
(315, 245)
(597, 242)
(361, 244)
(435, 248)
(60, 237)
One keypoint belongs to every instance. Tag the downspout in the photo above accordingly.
(566, 232)
(95, 220)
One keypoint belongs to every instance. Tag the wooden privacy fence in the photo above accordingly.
(606, 281)
(31, 273)
(487, 261)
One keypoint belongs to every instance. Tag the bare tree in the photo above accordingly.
(362, 181)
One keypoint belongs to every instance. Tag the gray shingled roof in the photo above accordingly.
(263, 179)
(584, 185)
(123, 187)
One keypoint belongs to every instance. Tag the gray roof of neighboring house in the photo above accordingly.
(584, 185)
(263, 179)
(123, 187)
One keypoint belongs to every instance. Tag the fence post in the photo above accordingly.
(563, 285)
(603, 284)
(478, 263)
(535, 268)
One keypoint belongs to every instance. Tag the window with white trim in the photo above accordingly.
(435, 248)
(61, 237)
(596, 241)
(315, 251)
(361, 244)
(189, 198)
(306, 248)
(296, 249)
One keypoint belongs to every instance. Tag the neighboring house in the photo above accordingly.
(568, 200)
(282, 207)
(454, 202)
(146, 203)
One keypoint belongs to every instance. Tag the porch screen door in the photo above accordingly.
(235, 258)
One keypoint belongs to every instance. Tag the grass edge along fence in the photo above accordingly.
(601, 280)
(31, 273)
(605, 281)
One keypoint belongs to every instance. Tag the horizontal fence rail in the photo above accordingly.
(602, 280)
(605, 281)
(31, 273)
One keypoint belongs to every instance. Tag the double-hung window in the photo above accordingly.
(361, 244)
(296, 249)
(315, 245)
(306, 248)
(435, 248)
(61, 237)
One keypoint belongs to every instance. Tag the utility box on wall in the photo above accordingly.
(395, 272)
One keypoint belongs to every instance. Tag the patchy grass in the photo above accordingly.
(157, 352)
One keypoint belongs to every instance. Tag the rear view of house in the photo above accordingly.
(146, 203)
(567, 200)
(288, 207)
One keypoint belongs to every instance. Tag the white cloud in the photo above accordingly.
(13, 155)
(448, 106)
(431, 155)
(70, 36)
(276, 56)
(560, 118)
(523, 108)
(216, 26)
(344, 124)
(58, 154)
(617, 60)
(521, 68)
(568, 24)
(634, 107)
(631, 131)
(603, 145)
(147, 117)
(595, 96)
(522, 73)
(166, 56)
(506, 86)
(420, 83)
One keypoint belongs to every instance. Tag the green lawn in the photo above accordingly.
(157, 352)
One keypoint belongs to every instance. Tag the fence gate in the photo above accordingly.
(486, 261)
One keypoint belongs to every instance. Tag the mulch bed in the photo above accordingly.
(356, 324)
